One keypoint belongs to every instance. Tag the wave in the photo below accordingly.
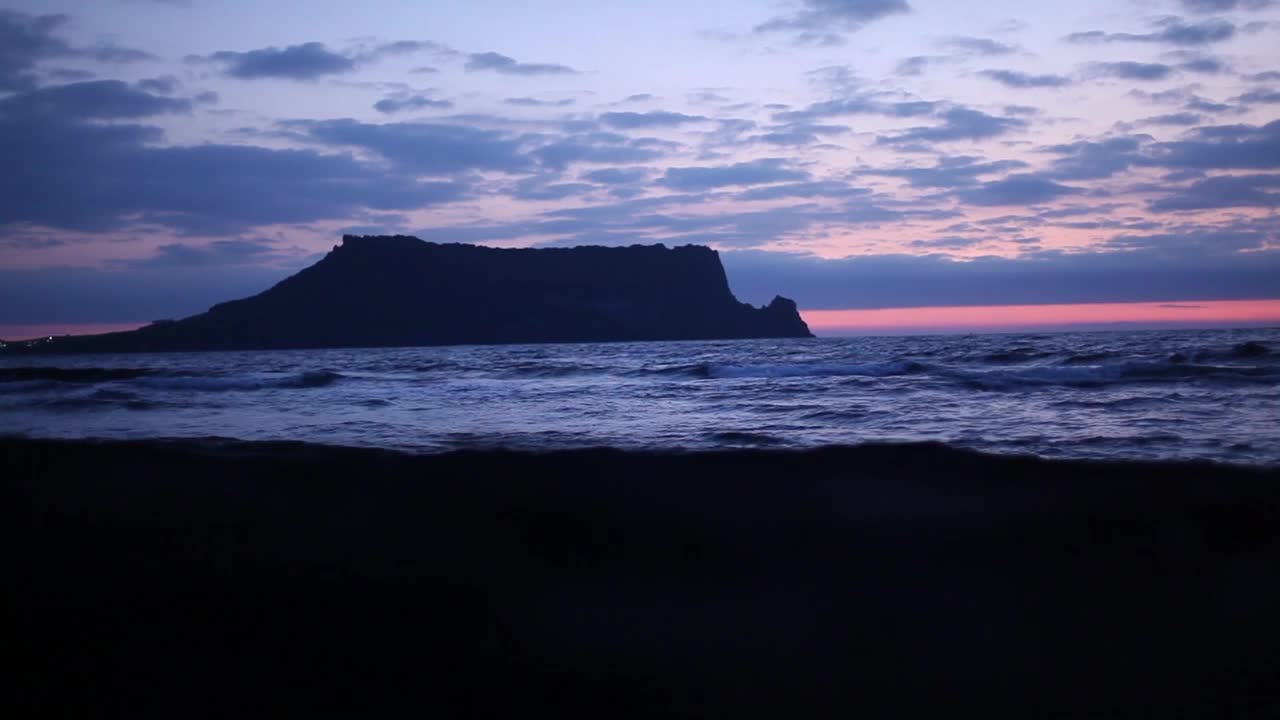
(98, 399)
(299, 381)
(1116, 403)
(846, 414)
(543, 370)
(1251, 350)
(1072, 372)
(71, 375)
(722, 371)
(37, 378)
(1089, 358)
(1016, 355)
(742, 437)
(1102, 375)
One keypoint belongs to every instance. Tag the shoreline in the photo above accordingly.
(196, 576)
(1013, 461)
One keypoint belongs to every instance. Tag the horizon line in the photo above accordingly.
(929, 320)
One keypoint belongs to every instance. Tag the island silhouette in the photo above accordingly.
(388, 291)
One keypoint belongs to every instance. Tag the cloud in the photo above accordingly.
(26, 40)
(958, 124)
(74, 173)
(950, 172)
(405, 47)
(823, 21)
(964, 46)
(307, 61)
(95, 99)
(600, 148)
(1182, 96)
(1204, 66)
(68, 75)
(1015, 79)
(1128, 70)
(978, 46)
(1090, 160)
(664, 218)
(537, 188)
(1226, 147)
(814, 189)
(1016, 190)
(947, 243)
(1171, 31)
(1146, 274)
(657, 219)
(534, 102)
(163, 85)
(1217, 6)
(917, 64)
(798, 133)
(411, 102)
(617, 176)
(117, 54)
(755, 172)
(858, 105)
(1184, 119)
(1202, 243)
(508, 65)
(127, 293)
(1226, 191)
(219, 253)
(423, 147)
(312, 60)
(1267, 96)
(656, 118)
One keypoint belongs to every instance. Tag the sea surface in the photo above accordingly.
(1204, 394)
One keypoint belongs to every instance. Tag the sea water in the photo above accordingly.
(1205, 394)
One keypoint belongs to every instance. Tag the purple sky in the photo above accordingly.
(165, 155)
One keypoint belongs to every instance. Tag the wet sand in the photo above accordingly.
(217, 577)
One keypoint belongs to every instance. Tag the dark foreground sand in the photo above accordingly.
(199, 577)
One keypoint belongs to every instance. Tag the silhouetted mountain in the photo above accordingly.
(373, 291)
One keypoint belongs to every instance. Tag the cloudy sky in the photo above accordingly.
(163, 155)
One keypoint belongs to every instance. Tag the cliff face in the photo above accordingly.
(399, 290)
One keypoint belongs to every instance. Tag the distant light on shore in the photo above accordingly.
(34, 331)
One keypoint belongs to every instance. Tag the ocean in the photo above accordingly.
(1202, 394)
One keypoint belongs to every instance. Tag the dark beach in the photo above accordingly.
(194, 577)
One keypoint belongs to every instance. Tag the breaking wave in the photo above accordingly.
(297, 381)
(27, 379)
(727, 371)
(71, 375)
(1119, 373)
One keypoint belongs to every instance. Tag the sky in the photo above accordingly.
(876, 160)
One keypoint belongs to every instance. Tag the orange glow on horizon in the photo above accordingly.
(956, 318)
(32, 331)
(997, 317)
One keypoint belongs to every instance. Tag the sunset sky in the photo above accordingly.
(1095, 162)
